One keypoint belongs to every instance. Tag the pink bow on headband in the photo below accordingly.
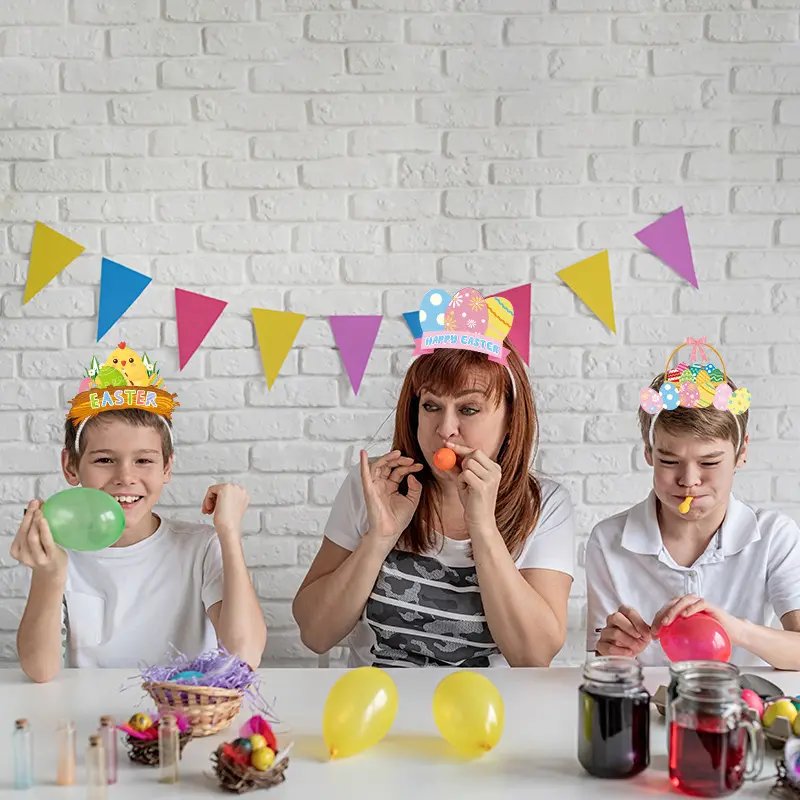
(697, 346)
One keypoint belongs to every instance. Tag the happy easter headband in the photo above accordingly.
(124, 381)
(465, 321)
(699, 384)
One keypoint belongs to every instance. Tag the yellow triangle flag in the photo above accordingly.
(51, 252)
(590, 279)
(276, 332)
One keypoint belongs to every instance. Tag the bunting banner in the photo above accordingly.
(120, 287)
(669, 240)
(355, 337)
(195, 314)
(276, 332)
(51, 252)
(590, 280)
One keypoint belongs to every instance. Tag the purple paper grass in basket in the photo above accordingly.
(220, 669)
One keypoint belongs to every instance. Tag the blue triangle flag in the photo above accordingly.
(119, 288)
(412, 320)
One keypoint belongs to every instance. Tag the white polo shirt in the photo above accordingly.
(751, 568)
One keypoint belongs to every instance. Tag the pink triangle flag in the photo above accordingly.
(520, 333)
(196, 315)
(355, 337)
(669, 240)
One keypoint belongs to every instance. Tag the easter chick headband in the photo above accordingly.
(465, 321)
(124, 381)
(698, 384)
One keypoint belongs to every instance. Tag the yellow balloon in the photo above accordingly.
(359, 711)
(468, 711)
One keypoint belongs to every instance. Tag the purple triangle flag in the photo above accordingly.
(669, 240)
(355, 337)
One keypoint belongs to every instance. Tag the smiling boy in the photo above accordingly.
(164, 583)
(660, 559)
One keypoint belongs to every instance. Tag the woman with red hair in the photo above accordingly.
(467, 567)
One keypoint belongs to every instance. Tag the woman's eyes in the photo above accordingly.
(467, 410)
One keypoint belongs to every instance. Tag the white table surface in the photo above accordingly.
(536, 757)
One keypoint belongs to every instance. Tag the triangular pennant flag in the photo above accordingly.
(412, 320)
(195, 315)
(119, 289)
(590, 279)
(355, 337)
(669, 240)
(276, 332)
(520, 333)
(51, 252)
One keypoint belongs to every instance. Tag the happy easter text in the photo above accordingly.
(474, 342)
(133, 397)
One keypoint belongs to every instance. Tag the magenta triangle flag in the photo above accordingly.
(196, 315)
(520, 333)
(355, 337)
(669, 240)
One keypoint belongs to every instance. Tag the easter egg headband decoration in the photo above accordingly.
(698, 384)
(124, 381)
(465, 321)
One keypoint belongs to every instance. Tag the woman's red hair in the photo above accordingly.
(519, 497)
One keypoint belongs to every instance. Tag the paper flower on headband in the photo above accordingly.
(698, 384)
(465, 321)
(124, 381)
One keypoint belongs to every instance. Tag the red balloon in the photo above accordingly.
(697, 637)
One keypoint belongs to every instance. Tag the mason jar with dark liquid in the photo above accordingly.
(715, 670)
(715, 744)
(614, 727)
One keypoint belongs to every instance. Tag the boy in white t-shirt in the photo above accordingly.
(460, 564)
(691, 545)
(164, 583)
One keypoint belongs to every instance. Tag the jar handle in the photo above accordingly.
(755, 745)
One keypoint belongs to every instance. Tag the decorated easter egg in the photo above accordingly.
(243, 744)
(85, 385)
(689, 394)
(263, 758)
(674, 375)
(189, 674)
(695, 369)
(140, 722)
(257, 741)
(722, 394)
(706, 388)
(108, 376)
(650, 401)
(739, 401)
(468, 312)
(715, 375)
(501, 318)
(753, 701)
(669, 395)
(780, 708)
(431, 310)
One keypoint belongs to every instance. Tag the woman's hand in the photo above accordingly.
(388, 511)
(478, 480)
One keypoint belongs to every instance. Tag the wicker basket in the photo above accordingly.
(235, 777)
(145, 751)
(208, 709)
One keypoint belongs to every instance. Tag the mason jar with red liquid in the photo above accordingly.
(715, 744)
(614, 726)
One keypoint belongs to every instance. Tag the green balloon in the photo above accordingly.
(84, 519)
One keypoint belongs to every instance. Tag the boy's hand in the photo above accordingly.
(227, 502)
(33, 545)
(625, 634)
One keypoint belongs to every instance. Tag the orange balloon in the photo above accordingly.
(444, 459)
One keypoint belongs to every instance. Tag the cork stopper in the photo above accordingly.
(21, 723)
(106, 721)
(94, 741)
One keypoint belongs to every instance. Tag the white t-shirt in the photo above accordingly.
(751, 568)
(127, 605)
(426, 610)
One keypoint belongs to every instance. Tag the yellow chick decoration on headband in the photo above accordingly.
(137, 371)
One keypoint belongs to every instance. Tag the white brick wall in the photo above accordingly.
(342, 156)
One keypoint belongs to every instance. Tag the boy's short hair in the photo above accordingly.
(699, 423)
(132, 416)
